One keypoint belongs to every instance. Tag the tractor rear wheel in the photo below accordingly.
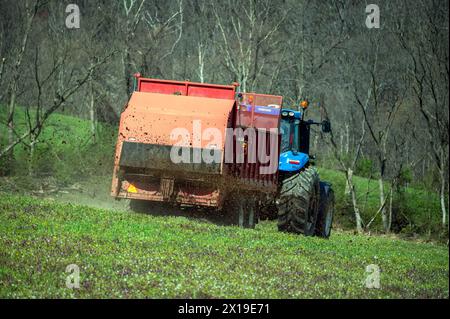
(326, 211)
(299, 203)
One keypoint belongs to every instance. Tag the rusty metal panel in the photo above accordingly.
(249, 173)
(157, 157)
(144, 142)
(212, 91)
(175, 192)
(259, 110)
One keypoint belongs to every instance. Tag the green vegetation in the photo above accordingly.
(65, 150)
(417, 209)
(123, 254)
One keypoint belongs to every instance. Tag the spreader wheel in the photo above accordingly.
(299, 203)
(326, 211)
(241, 211)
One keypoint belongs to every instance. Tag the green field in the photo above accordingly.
(125, 254)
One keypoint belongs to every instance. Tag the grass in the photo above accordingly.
(65, 150)
(127, 255)
(420, 211)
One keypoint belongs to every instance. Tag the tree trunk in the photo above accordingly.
(10, 124)
(201, 63)
(31, 154)
(316, 143)
(126, 60)
(92, 113)
(347, 142)
(11, 110)
(347, 184)
(15, 80)
(391, 198)
(352, 192)
(384, 216)
(442, 192)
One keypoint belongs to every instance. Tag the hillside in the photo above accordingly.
(124, 254)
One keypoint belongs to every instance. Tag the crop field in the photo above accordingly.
(122, 254)
(133, 134)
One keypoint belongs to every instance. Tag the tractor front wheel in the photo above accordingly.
(299, 203)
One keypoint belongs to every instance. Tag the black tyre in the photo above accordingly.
(299, 203)
(250, 214)
(326, 211)
(240, 211)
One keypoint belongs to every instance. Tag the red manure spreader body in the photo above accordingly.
(198, 144)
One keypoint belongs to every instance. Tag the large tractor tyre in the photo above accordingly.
(326, 211)
(298, 205)
(240, 211)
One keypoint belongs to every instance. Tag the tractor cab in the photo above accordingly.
(295, 138)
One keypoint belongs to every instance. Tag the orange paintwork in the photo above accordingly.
(151, 117)
(157, 109)
(171, 87)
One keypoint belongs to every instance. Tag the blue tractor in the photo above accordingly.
(305, 205)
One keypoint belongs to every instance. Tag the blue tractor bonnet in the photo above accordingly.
(291, 162)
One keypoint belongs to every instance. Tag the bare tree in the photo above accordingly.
(204, 44)
(348, 167)
(42, 113)
(2, 60)
(244, 31)
(428, 52)
(164, 32)
(31, 8)
(380, 131)
(133, 10)
(2, 69)
(317, 32)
